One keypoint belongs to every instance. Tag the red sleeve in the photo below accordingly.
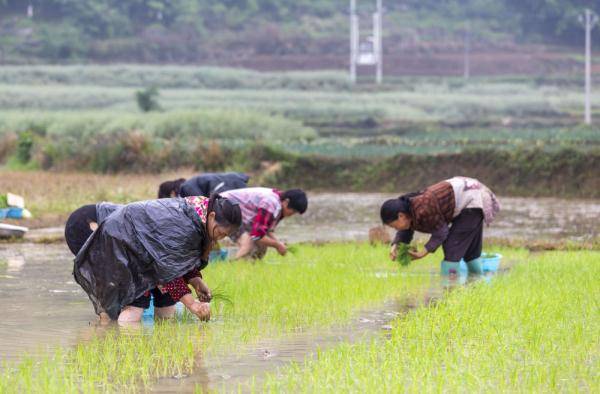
(261, 224)
(176, 289)
(192, 274)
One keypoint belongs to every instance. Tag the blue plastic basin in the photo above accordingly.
(490, 261)
(11, 213)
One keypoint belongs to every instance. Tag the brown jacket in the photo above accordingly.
(433, 208)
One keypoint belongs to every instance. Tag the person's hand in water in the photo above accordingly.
(415, 255)
(281, 248)
(198, 308)
(201, 309)
(394, 252)
(201, 288)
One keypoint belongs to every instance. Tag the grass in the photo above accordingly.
(85, 117)
(306, 96)
(532, 330)
(382, 143)
(178, 77)
(426, 102)
(319, 286)
(169, 76)
(207, 123)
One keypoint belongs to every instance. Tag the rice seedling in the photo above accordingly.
(402, 254)
(318, 287)
(533, 329)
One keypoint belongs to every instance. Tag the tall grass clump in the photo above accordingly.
(534, 329)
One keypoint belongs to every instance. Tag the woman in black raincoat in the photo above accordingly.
(155, 246)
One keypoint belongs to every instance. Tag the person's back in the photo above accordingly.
(253, 199)
(208, 183)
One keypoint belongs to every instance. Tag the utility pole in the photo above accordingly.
(467, 53)
(589, 20)
(369, 52)
(353, 40)
(378, 30)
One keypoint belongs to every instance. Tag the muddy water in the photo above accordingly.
(41, 304)
(348, 216)
(43, 308)
(250, 364)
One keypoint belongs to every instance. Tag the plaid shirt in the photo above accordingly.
(261, 209)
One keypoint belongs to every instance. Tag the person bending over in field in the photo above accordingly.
(262, 209)
(203, 185)
(452, 211)
(124, 253)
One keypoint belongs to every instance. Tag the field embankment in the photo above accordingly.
(563, 173)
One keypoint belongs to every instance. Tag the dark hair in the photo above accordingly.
(297, 200)
(227, 213)
(391, 208)
(166, 188)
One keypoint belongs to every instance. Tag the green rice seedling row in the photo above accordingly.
(317, 287)
(534, 329)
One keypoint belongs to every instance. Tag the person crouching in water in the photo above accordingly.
(149, 247)
(262, 209)
(452, 211)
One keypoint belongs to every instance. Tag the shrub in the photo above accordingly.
(147, 99)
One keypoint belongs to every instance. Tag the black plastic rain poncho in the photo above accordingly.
(137, 247)
(206, 184)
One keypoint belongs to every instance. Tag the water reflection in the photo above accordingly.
(42, 306)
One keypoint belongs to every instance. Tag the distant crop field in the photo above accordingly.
(426, 102)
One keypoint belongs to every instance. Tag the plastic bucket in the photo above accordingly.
(218, 255)
(4, 212)
(490, 262)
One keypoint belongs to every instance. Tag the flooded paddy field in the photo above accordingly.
(275, 315)
(280, 314)
(281, 319)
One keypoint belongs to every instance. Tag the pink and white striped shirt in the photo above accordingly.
(260, 206)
